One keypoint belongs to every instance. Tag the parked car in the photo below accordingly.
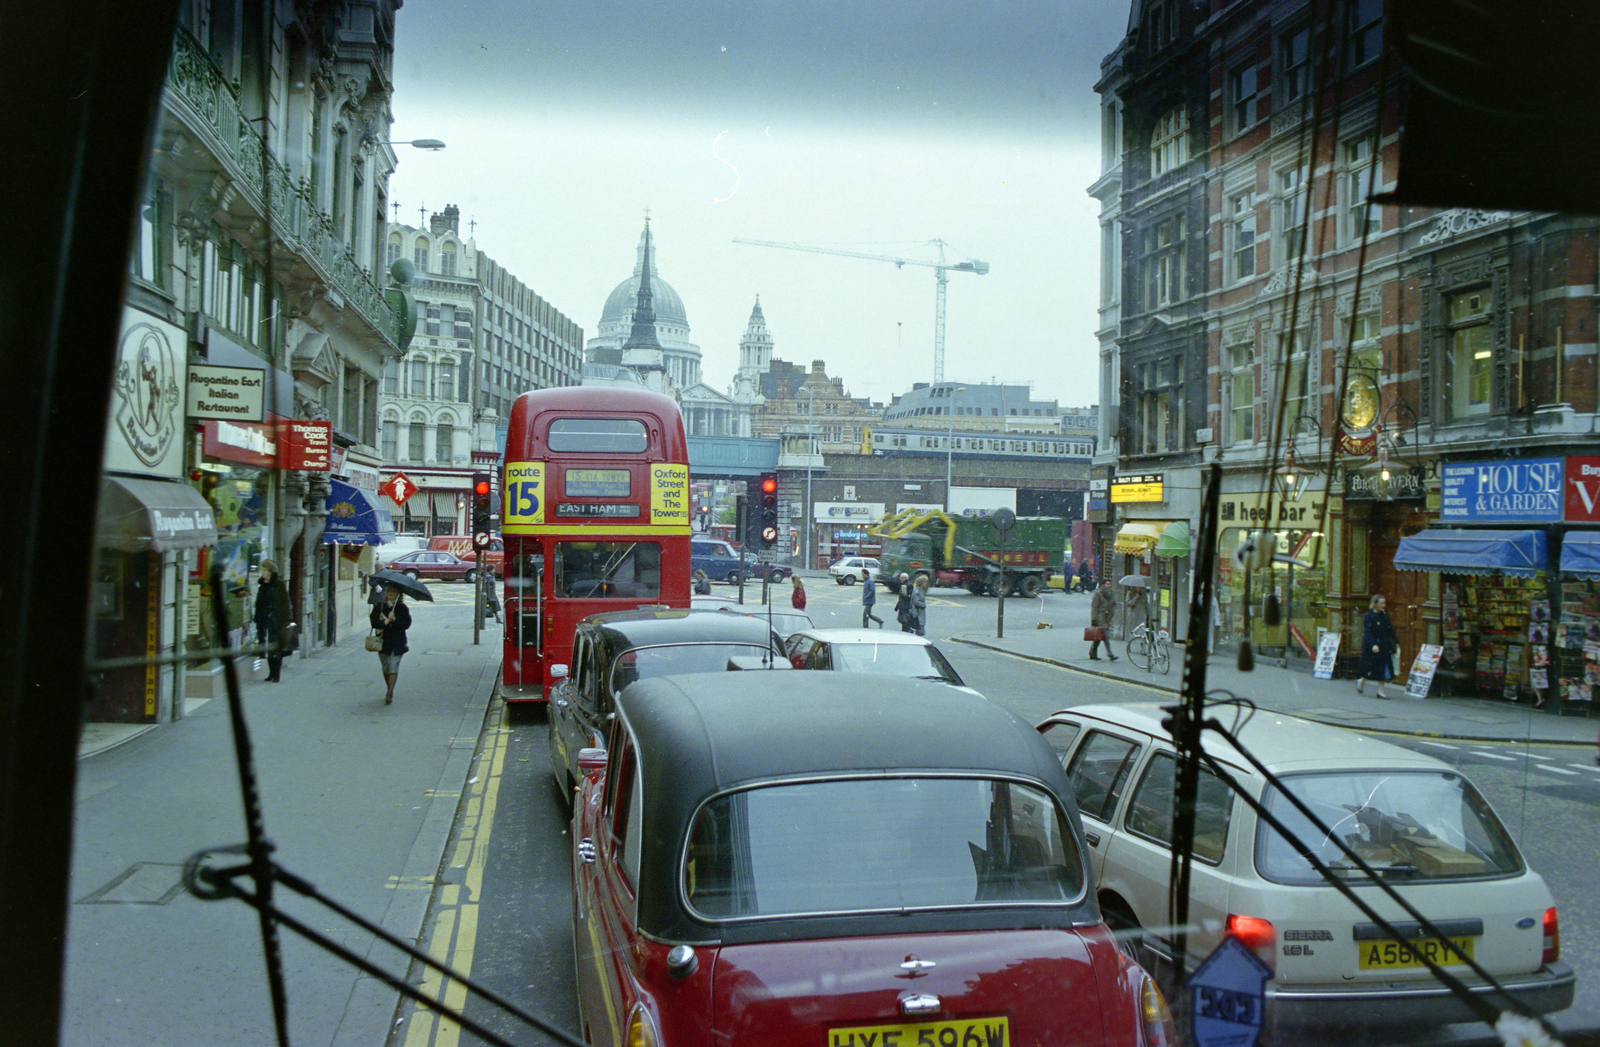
(718, 559)
(398, 546)
(611, 650)
(848, 570)
(876, 651)
(494, 554)
(432, 563)
(775, 572)
(955, 908)
(1416, 820)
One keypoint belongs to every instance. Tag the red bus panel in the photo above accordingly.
(595, 517)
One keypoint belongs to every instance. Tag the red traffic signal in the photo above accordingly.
(481, 487)
(769, 483)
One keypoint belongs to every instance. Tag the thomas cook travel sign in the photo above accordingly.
(1506, 491)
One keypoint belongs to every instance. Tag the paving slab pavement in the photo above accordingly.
(1293, 690)
(357, 797)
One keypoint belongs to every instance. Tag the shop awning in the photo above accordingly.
(1580, 554)
(1473, 552)
(1174, 540)
(149, 515)
(1138, 536)
(354, 518)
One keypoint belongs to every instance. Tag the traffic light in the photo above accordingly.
(768, 515)
(482, 502)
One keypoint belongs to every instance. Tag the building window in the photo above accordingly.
(418, 450)
(1471, 355)
(1293, 193)
(1243, 97)
(1158, 403)
(1299, 383)
(1242, 231)
(392, 252)
(1162, 23)
(445, 379)
(391, 378)
(447, 259)
(1169, 142)
(350, 419)
(419, 377)
(1365, 28)
(1164, 263)
(431, 326)
(444, 443)
(391, 441)
(1361, 177)
(1241, 395)
(1294, 59)
(152, 254)
(419, 255)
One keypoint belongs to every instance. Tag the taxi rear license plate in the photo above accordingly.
(1389, 955)
(962, 1032)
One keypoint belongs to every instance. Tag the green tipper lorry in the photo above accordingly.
(964, 551)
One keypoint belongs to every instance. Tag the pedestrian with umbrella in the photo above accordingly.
(390, 620)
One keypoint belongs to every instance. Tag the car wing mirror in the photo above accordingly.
(558, 671)
(591, 761)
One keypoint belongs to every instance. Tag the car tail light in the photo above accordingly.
(1552, 936)
(1156, 1019)
(1256, 934)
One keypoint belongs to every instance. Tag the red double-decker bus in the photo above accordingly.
(595, 517)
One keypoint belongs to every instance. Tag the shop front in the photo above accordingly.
(1296, 580)
(356, 523)
(839, 529)
(1150, 549)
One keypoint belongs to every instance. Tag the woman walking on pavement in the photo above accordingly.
(391, 618)
(272, 619)
(919, 605)
(902, 605)
(1102, 609)
(1378, 643)
(869, 596)
(798, 596)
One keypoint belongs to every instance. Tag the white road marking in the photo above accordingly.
(1494, 756)
(1440, 745)
(1555, 770)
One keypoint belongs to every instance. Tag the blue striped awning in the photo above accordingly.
(1580, 554)
(1473, 552)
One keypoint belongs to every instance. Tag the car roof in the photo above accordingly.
(698, 736)
(646, 628)
(881, 636)
(1284, 743)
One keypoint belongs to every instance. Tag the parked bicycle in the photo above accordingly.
(1150, 649)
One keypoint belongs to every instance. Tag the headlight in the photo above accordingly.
(642, 1028)
(1155, 1019)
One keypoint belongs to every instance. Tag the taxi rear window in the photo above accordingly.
(888, 844)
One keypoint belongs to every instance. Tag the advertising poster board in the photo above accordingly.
(1327, 655)
(1422, 670)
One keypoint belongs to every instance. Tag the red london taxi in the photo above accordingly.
(831, 861)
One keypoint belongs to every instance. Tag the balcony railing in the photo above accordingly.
(196, 88)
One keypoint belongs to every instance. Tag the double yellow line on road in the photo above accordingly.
(455, 928)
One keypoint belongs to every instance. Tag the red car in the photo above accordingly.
(435, 563)
(911, 874)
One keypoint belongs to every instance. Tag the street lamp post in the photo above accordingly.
(811, 414)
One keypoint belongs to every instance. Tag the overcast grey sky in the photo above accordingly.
(876, 126)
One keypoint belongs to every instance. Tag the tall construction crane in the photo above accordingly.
(940, 268)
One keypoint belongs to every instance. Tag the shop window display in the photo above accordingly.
(1572, 662)
(1495, 631)
(1302, 594)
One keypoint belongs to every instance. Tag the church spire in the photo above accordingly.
(642, 350)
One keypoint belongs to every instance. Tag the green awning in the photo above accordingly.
(1174, 540)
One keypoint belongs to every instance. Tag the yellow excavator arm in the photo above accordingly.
(896, 525)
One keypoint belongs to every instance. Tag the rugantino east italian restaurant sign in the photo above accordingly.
(1504, 491)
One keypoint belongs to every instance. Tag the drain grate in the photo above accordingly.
(142, 883)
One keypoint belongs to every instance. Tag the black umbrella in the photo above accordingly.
(412, 587)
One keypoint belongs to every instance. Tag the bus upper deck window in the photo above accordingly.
(598, 435)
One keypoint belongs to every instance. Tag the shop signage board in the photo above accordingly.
(248, 443)
(145, 434)
(848, 512)
(305, 445)
(1403, 485)
(235, 393)
(1252, 509)
(1327, 655)
(1583, 489)
(1143, 487)
(1503, 491)
(1422, 670)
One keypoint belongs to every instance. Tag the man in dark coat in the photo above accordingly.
(1102, 609)
(272, 618)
